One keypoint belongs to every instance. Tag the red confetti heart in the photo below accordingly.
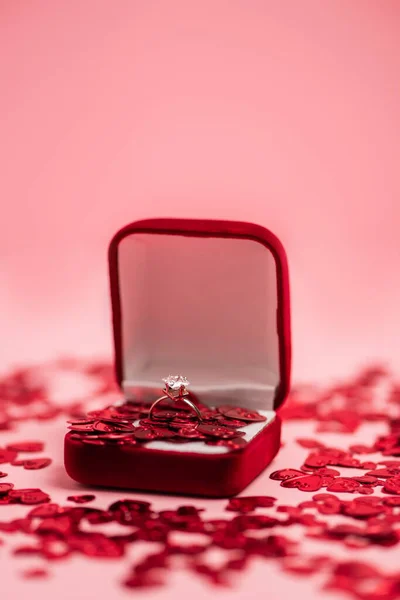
(343, 484)
(309, 483)
(35, 573)
(45, 510)
(244, 414)
(284, 474)
(365, 479)
(327, 504)
(82, 499)
(318, 460)
(5, 487)
(392, 485)
(26, 446)
(384, 473)
(36, 463)
(7, 456)
(391, 501)
(361, 449)
(326, 471)
(308, 443)
(29, 496)
(368, 465)
(360, 510)
(249, 503)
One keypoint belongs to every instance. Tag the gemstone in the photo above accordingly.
(175, 382)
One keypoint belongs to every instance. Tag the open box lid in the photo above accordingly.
(206, 299)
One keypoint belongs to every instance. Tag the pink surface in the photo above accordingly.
(284, 114)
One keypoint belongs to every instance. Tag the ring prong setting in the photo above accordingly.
(175, 386)
(175, 389)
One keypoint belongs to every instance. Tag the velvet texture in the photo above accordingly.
(213, 475)
(207, 228)
(141, 468)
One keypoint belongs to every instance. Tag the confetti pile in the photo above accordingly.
(128, 424)
(367, 513)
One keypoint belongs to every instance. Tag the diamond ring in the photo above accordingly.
(175, 389)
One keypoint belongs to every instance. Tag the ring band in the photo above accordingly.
(175, 389)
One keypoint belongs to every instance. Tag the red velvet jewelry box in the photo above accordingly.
(210, 300)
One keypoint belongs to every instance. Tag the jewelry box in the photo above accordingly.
(209, 300)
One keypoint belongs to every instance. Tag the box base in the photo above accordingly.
(174, 472)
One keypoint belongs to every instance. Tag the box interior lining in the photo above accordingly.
(205, 307)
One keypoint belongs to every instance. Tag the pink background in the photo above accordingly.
(282, 113)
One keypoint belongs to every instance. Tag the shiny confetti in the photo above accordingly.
(250, 503)
(26, 446)
(32, 464)
(308, 483)
(7, 456)
(35, 573)
(5, 487)
(366, 511)
(82, 499)
(129, 423)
